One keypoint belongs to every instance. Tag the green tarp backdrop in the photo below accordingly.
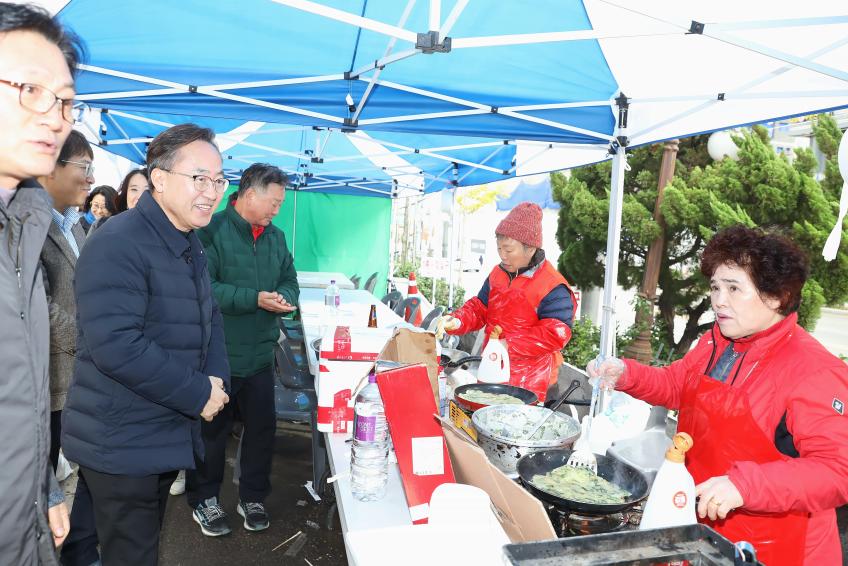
(341, 233)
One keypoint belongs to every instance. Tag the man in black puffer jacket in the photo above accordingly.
(151, 356)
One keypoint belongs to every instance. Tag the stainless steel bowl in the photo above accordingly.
(503, 449)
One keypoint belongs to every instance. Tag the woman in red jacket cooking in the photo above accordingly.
(528, 298)
(764, 402)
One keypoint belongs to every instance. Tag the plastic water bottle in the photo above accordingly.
(330, 314)
(332, 296)
(369, 457)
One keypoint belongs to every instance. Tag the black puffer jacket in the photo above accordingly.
(150, 334)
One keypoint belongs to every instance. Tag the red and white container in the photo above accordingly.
(347, 355)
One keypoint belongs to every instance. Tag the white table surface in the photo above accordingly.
(392, 510)
(354, 308)
(321, 279)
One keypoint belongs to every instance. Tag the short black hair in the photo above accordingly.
(121, 200)
(109, 195)
(259, 175)
(28, 17)
(162, 152)
(76, 144)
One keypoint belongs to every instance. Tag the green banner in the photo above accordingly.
(342, 233)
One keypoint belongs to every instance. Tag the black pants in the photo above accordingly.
(55, 434)
(80, 548)
(128, 512)
(254, 397)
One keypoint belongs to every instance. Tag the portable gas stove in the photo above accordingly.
(569, 524)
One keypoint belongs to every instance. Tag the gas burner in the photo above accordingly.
(569, 524)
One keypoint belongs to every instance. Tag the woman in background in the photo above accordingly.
(131, 188)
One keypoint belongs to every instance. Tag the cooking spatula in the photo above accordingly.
(583, 457)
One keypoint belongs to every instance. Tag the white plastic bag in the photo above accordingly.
(622, 417)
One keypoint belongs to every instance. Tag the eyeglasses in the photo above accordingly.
(40, 99)
(203, 183)
(88, 166)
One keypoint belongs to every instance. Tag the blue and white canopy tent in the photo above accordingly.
(568, 82)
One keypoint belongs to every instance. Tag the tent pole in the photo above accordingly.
(452, 252)
(619, 162)
(608, 319)
(294, 225)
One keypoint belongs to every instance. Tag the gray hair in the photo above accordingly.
(259, 175)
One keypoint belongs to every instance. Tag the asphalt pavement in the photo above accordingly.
(832, 330)
(290, 507)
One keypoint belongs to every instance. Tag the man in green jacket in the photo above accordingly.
(254, 282)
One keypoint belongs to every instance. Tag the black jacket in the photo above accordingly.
(150, 334)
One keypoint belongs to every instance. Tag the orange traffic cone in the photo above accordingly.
(412, 291)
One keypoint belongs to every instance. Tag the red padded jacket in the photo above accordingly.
(806, 384)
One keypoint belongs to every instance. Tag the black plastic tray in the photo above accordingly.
(698, 544)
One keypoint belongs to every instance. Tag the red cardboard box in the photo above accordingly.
(417, 435)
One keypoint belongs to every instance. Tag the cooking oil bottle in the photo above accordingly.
(494, 367)
(672, 499)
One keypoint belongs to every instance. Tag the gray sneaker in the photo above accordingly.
(211, 518)
(255, 517)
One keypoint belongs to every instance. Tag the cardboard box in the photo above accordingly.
(409, 347)
(417, 436)
(347, 355)
(522, 516)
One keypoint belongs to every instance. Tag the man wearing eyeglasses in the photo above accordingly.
(255, 282)
(151, 356)
(37, 64)
(67, 185)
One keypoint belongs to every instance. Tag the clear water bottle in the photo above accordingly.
(369, 458)
(332, 296)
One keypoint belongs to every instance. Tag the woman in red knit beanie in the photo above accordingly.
(528, 298)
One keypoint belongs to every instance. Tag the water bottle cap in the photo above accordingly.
(332, 281)
(372, 377)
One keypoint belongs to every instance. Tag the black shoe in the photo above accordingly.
(255, 517)
(211, 518)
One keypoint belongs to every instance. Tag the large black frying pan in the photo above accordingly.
(615, 472)
(524, 395)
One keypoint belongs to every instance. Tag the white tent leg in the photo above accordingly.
(294, 225)
(608, 320)
(452, 251)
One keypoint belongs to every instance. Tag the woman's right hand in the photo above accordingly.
(446, 323)
(609, 371)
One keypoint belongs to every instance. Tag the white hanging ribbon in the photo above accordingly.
(831, 246)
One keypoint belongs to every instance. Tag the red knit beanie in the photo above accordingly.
(523, 223)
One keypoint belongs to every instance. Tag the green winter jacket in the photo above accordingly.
(241, 267)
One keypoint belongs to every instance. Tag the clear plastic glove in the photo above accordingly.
(446, 323)
(609, 371)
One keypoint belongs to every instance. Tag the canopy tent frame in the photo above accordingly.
(402, 150)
